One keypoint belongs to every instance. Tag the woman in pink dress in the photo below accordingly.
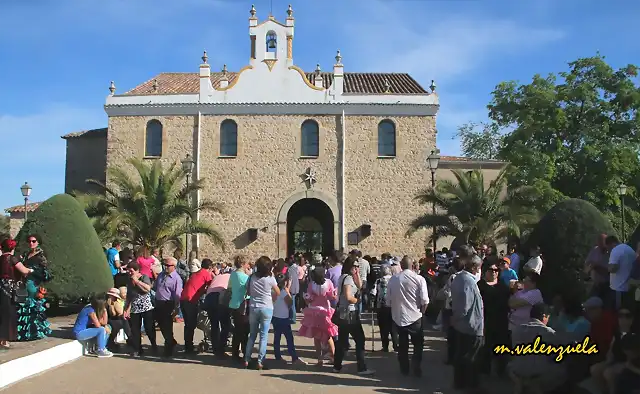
(316, 322)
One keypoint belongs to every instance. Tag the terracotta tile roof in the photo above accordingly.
(454, 158)
(354, 83)
(86, 133)
(20, 208)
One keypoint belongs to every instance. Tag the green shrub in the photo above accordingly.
(70, 243)
(565, 235)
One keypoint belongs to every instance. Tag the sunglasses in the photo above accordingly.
(33, 241)
(625, 315)
(493, 270)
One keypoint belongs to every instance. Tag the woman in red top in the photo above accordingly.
(10, 273)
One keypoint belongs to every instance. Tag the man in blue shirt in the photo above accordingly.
(113, 257)
(507, 274)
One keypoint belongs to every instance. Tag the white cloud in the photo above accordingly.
(450, 47)
(37, 153)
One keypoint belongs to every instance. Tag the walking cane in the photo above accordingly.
(372, 333)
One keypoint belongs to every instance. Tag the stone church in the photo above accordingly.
(302, 160)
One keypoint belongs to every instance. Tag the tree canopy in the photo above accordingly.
(151, 207)
(574, 134)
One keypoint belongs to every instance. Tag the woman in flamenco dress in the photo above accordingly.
(32, 319)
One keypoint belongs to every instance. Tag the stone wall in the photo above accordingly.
(86, 159)
(15, 224)
(268, 171)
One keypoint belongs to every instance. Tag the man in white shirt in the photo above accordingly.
(535, 262)
(294, 289)
(408, 296)
(621, 260)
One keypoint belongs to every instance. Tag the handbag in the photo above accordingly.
(342, 315)
(20, 293)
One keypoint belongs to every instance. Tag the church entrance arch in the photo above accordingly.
(308, 222)
(309, 227)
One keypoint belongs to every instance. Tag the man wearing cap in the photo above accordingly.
(507, 274)
(538, 372)
(168, 289)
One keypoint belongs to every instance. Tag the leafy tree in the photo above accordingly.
(480, 141)
(468, 210)
(575, 134)
(77, 262)
(152, 209)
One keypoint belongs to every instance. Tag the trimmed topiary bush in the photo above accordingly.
(71, 245)
(565, 235)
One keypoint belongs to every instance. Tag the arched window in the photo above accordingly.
(310, 146)
(153, 139)
(272, 41)
(386, 138)
(229, 138)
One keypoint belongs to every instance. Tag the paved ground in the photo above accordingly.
(61, 327)
(204, 373)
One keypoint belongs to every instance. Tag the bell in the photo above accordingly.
(271, 43)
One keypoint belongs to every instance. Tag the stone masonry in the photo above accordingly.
(254, 185)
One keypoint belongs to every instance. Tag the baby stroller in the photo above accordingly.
(204, 325)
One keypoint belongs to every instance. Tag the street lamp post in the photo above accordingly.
(433, 160)
(622, 190)
(26, 192)
(187, 167)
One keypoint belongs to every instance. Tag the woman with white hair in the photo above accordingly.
(383, 308)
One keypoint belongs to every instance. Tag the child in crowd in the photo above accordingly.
(316, 322)
(282, 320)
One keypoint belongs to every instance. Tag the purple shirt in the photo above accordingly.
(333, 274)
(168, 287)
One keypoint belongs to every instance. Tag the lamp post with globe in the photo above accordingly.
(622, 190)
(26, 192)
(433, 160)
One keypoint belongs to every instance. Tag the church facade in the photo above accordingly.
(300, 160)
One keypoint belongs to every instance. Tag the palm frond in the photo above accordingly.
(150, 205)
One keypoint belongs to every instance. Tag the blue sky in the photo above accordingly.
(57, 57)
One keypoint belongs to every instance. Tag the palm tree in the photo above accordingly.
(467, 209)
(150, 210)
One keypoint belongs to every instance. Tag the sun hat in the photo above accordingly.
(114, 293)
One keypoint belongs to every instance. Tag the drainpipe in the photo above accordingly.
(196, 175)
(343, 163)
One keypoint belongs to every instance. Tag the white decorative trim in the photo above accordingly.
(33, 364)
(274, 109)
(181, 99)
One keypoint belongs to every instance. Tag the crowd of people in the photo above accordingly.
(482, 300)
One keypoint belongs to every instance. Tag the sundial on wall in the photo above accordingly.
(309, 177)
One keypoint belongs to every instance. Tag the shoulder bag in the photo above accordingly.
(342, 315)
